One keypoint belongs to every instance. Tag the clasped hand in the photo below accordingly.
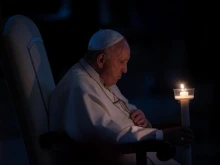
(138, 118)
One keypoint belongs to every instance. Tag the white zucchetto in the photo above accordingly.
(104, 38)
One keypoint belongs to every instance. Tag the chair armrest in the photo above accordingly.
(60, 141)
(166, 125)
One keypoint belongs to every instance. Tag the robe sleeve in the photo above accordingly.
(94, 121)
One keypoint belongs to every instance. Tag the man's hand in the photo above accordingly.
(138, 117)
(178, 135)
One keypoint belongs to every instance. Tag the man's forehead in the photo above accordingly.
(124, 54)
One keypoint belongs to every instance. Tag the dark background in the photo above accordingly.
(171, 42)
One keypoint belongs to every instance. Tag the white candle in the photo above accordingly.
(184, 94)
(185, 117)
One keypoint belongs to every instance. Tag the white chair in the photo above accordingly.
(30, 80)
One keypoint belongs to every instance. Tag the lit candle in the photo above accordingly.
(183, 93)
(184, 96)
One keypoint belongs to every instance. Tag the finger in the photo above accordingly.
(144, 125)
(135, 113)
(187, 135)
(184, 142)
(137, 119)
(141, 122)
(186, 130)
(187, 140)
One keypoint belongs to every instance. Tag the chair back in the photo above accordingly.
(30, 81)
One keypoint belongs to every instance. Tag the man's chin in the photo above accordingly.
(116, 81)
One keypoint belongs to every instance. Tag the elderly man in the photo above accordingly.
(88, 105)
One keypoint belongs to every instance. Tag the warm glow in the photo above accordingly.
(182, 86)
(183, 94)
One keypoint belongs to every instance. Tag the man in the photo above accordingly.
(88, 105)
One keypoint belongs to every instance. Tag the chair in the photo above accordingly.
(31, 82)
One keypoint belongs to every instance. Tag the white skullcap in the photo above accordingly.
(103, 39)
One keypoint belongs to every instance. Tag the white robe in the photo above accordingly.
(84, 108)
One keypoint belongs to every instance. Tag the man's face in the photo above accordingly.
(116, 65)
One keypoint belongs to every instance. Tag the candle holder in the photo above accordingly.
(184, 96)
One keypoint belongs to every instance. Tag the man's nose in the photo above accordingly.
(125, 69)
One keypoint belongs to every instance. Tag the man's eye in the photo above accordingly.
(121, 62)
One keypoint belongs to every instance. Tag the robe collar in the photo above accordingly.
(97, 78)
(93, 73)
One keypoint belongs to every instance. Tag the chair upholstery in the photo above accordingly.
(31, 78)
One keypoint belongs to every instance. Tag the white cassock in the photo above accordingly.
(88, 111)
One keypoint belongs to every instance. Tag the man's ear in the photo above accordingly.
(100, 60)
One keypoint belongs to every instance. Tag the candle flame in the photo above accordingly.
(182, 86)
